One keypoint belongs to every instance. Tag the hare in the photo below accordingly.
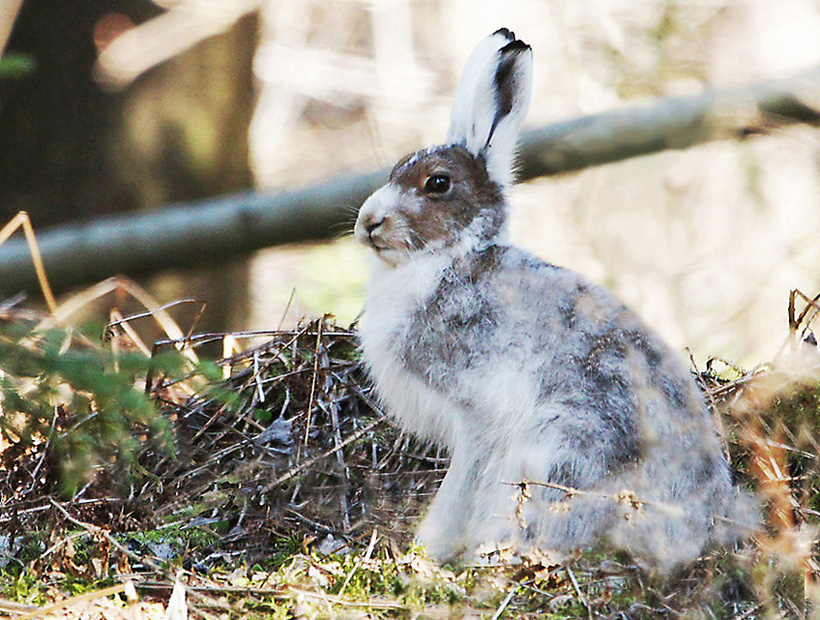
(524, 370)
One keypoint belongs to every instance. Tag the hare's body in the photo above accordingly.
(584, 397)
(524, 370)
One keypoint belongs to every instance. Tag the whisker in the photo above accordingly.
(416, 240)
(341, 226)
(337, 236)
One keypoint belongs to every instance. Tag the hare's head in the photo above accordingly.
(453, 194)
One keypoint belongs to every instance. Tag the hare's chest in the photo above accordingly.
(394, 298)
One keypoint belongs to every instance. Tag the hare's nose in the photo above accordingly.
(373, 225)
(377, 231)
(370, 227)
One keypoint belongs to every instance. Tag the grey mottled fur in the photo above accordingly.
(525, 370)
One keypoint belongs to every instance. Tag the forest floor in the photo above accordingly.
(266, 483)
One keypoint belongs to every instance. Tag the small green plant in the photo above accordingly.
(22, 586)
(82, 402)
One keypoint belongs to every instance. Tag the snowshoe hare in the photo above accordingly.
(524, 370)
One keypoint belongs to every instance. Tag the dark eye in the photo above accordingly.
(437, 184)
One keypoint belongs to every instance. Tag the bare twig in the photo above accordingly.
(21, 220)
(340, 458)
(151, 312)
(93, 529)
(575, 585)
(74, 600)
(624, 497)
(10, 607)
(358, 561)
(312, 398)
(505, 602)
(749, 612)
(307, 463)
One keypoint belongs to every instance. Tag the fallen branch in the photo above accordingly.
(199, 233)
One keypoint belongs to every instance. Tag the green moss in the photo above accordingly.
(183, 537)
(22, 586)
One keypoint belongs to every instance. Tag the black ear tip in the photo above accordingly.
(506, 33)
(515, 46)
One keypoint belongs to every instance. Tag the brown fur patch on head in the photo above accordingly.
(441, 216)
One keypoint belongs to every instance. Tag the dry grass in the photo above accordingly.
(289, 492)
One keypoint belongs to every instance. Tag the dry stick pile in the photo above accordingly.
(289, 446)
(294, 436)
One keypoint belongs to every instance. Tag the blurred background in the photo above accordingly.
(108, 106)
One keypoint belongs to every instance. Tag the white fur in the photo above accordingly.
(474, 108)
(474, 102)
(392, 293)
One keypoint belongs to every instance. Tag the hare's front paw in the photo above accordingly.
(431, 535)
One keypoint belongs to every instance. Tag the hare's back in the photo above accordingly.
(505, 330)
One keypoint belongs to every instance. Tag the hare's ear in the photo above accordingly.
(491, 102)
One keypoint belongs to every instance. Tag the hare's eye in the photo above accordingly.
(437, 184)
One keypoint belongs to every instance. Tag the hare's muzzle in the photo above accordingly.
(370, 228)
(374, 223)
